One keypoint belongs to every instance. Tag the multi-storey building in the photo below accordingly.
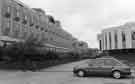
(118, 38)
(19, 22)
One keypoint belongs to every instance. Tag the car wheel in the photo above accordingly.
(116, 74)
(81, 73)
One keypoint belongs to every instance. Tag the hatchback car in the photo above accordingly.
(103, 66)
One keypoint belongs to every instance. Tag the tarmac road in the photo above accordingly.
(61, 74)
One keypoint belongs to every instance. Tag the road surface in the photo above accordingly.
(61, 74)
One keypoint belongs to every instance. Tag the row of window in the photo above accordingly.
(108, 36)
(17, 19)
(21, 16)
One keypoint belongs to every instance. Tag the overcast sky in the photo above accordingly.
(85, 18)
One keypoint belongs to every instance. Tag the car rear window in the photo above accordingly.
(111, 62)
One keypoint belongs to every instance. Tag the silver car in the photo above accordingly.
(103, 66)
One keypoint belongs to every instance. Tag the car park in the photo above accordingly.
(103, 66)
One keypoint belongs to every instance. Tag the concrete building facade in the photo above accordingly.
(20, 22)
(119, 37)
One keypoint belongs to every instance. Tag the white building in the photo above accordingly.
(119, 37)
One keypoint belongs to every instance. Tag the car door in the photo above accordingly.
(96, 67)
(91, 69)
(108, 65)
(99, 66)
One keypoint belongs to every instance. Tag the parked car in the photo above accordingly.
(102, 66)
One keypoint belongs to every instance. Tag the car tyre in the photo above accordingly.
(80, 73)
(116, 74)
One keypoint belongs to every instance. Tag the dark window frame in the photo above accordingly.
(133, 35)
(7, 14)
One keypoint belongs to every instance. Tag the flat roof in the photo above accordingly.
(126, 26)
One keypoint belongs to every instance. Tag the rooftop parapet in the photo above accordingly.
(39, 10)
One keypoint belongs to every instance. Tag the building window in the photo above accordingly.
(110, 40)
(105, 40)
(31, 24)
(17, 17)
(123, 40)
(80, 44)
(46, 30)
(103, 44)
(133, 35)
(100, 44)
(16, 14)
(116, 39)
(7, 28)
(37, 26)
(42, 28)
(7, 13)
(25, 20)
(31, 21)
(123, 36)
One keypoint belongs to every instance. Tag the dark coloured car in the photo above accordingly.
(103, 66)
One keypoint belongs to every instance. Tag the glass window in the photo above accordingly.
(7, 12)
(37, 26)
(42, 28)
(31, 20)
(111, 62)
(100, 62)
(100, 44)
(123, 40)
(16, 18)
(15, 12)
(25, 20)
(133, 35)
(31, 24)
(24, 16)
(110, 40)
(123, 36)
(105, 40)
(116, 39)
(7, 28)
(46, 30)
(97, 62)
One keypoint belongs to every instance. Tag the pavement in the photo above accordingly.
(61, 74)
